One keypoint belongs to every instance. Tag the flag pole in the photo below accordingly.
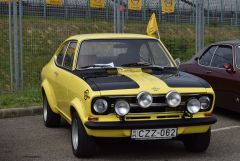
(158, 35)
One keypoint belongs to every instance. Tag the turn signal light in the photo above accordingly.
(92, 118)
(208, 114)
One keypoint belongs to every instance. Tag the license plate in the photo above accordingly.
(147, 134)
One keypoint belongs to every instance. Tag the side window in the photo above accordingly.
(238, 56)
(60, 55)
(68, 59)
(206, 58)
(222, 56)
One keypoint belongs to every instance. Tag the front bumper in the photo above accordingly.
(150, 124)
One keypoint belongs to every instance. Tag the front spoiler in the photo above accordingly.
(150, 124)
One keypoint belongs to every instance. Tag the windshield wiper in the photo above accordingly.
(97, 66)
(137, 64)
(157, 67)
(162, 69)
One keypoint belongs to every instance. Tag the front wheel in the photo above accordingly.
(82, 144)
(197, 142)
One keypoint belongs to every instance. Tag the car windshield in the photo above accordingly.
(122, 53)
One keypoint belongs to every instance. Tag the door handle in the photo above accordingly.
(55, 74)
(209, 71)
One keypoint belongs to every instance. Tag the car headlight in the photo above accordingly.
(193, 106)
(205, 102)
(122, 107)
(100, 106)
(173, 99)
(144, 99)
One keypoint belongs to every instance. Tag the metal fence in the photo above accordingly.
(29, 37)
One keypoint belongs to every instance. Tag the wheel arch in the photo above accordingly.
(78, 107)
(47, 91)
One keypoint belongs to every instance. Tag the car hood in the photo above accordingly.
(123, 79)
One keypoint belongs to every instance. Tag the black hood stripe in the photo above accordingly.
(101, 80)
(112, 82)
(183, 80)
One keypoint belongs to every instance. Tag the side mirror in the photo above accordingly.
(229, 68)
(196, 59)
(178, 62)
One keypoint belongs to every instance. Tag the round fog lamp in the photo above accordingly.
(193, 106)
(144, 99)
(205, 102)
(100, 106)
(173, 99)
(122, 107)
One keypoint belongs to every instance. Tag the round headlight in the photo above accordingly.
(205, 102)
(100, 106)
(173, 99)
(144, 99)
(193, 106)
(122, 107)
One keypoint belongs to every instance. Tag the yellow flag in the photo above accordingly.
(97, 3)
(6, 1)
(152, 28)
(135, 4)
(55, 2)
(168, 6)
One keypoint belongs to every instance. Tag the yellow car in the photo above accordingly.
(124, 86)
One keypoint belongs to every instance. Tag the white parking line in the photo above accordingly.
(225, 128)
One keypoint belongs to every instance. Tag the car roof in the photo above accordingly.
(109, 36)
(231, 42)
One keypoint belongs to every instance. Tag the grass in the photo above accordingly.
(42, 36)
(20, 99)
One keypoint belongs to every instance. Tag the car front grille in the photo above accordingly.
(155, 108)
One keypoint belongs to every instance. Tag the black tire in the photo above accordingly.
(85, 146)
(50, 118)
(197, 142)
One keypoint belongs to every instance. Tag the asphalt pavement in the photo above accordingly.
(27, 139)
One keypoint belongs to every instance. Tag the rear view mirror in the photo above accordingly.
(178, 62)
(229, 68)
